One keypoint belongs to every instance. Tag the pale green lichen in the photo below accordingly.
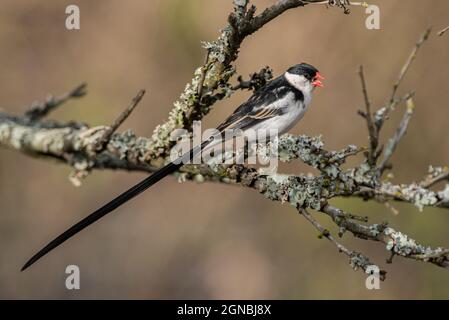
(5, 131)
(379, 115)
(310, 151)
(17, 135)
(218, 72)
(358, 260)
(299, 191)
(401, 244)
(177, 116)
(375, 229)
(413, 193)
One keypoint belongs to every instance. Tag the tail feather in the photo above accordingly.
(121, 199)
(115, 203)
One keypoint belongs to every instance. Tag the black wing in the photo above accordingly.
(257, 108)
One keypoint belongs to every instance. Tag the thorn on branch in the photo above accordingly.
(39, 110)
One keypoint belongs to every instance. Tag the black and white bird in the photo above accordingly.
(278, 105)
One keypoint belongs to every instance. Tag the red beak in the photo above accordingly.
(317, 80)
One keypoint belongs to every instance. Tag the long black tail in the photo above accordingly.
(104, 210)
(117, 202)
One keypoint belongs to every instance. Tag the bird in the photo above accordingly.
(277, 105)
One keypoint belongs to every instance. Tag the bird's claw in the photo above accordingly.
(341, 4)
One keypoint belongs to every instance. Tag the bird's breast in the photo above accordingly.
(289, 119)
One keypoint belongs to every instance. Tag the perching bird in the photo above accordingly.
(278, 105)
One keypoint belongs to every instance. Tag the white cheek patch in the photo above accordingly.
(297, 81)
(302, 84)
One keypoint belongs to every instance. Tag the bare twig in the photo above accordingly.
(121, 118)
(382, 114)
(199, 90)
(203, 75)
(409, 62)
(39, 110)
(401, 130)
(373, 136)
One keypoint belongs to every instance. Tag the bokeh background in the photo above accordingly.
(210, 240)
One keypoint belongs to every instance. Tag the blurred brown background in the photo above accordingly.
(210, 241)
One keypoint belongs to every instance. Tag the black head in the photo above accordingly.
(304, 69)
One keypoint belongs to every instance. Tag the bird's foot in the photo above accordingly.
(341, 4)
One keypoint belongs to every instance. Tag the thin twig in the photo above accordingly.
(39, 110)
(121, 118)
(324, 232)
(356, 259)
(200, 87)
(384, 112)
(203, 75)
(400, 131)
(373, 137)
(409, 62)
